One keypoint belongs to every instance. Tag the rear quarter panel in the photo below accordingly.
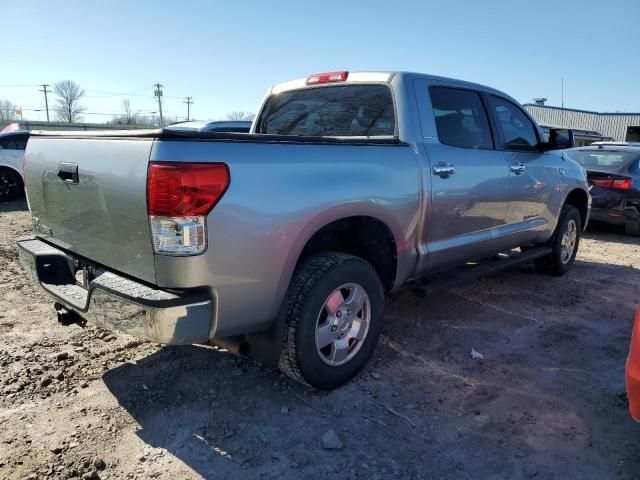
(279, 196)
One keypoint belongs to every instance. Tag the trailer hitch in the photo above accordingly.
(68, 317)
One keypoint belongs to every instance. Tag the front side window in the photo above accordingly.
(341, 111)
(517, 130)
(461, 120)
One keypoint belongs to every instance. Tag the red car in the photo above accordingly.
(633, 370)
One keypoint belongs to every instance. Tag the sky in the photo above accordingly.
(226, 54)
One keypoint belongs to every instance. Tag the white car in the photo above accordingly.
(12, 147)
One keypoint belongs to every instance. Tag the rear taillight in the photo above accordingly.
(618, 183)
(179, 197)
(329, 77)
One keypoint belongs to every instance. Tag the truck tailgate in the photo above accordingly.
(100, 213)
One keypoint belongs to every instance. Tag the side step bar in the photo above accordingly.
(471, 271)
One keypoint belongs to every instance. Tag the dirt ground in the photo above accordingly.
(546, 400)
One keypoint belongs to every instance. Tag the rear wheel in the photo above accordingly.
(564, 244)
(10, 185)
(333, 320)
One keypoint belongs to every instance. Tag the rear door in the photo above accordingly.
(469, 178)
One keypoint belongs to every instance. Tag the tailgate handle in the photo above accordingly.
(68, 172)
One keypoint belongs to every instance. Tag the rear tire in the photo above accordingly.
(632, 228)
(10, 185)
(564, 244)
(333, 318)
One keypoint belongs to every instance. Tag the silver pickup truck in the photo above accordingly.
(282, 242)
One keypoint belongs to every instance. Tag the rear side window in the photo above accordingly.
(517, 130)
(461, 119)
(14, 142)
(341, 111)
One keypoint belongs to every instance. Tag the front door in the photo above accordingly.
(533, 174)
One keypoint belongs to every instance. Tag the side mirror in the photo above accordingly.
(559, 138)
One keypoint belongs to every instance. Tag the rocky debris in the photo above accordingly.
(99, 463)
(331, 441)
(59, 356)
(300, 457)
(56, 450)
(376, 375)
(91, 475)
(45, 382)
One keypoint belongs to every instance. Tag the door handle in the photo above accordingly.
(443, 170)
(518, 169)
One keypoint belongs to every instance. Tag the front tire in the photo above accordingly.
(333, 318)
(564, 244)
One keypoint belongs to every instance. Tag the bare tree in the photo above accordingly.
(134, 119)
(126, 104)
(239, 115)
(67, 106)
(7, 110)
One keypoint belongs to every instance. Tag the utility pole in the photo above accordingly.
(46, 101)
(158, 93)
(189, 102)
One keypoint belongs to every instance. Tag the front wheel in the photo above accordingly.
(564, 244)
(333, 320)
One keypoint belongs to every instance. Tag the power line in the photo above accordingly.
(189, 102)
(158, 93)
(46, 101)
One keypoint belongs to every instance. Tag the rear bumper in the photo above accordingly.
(632, 374)
(614, 216)
(118, 303)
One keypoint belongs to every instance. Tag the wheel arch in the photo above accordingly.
(579, 198)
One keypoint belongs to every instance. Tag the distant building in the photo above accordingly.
(588, 126)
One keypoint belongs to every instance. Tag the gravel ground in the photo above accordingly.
(546, 400)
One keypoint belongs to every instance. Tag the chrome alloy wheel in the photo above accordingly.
(568, 242)
(343, 324)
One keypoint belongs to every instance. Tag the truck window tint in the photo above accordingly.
(14, 142)
(342, 111)
(517, 129)
(461, 119)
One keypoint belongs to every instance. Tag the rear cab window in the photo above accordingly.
(347, 110)
(608, 159)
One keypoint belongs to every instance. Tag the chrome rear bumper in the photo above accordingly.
(118, 303)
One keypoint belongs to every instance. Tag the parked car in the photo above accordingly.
(283, 242)
(12, 147)
(239, 126)
(633, 370)
(613, 170)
